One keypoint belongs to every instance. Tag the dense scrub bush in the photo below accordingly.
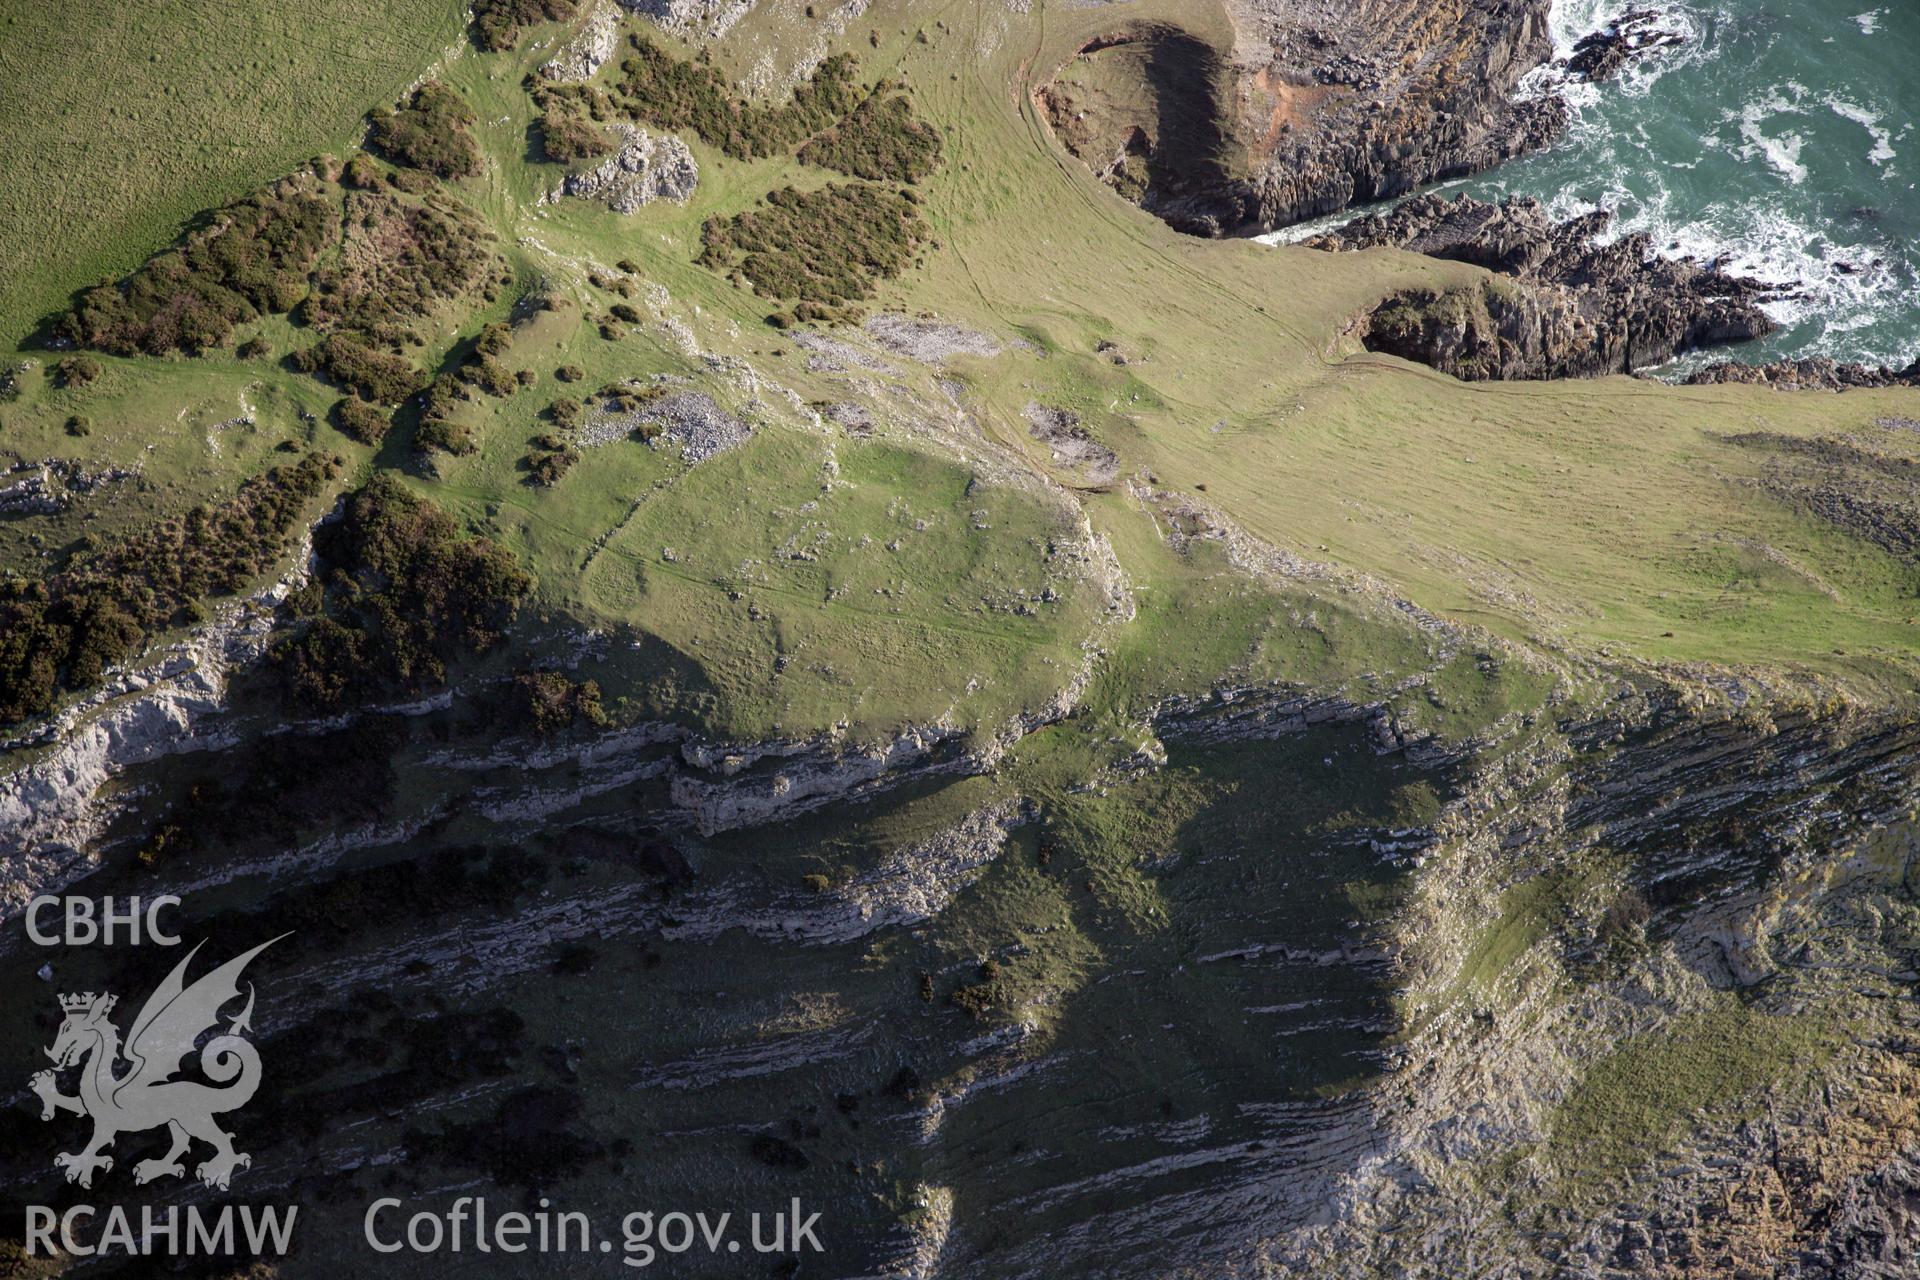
(494, 339)
(546, 466)
(484, 373)
(351, 363)
(412, 182)
(403, 261)
(76, 371)
(361, 421)
(565, 411)
(656, 87)
(405, 592)
(446, 434)
(549, 702)
(822, 249)
(571, 116)
(432, 132)
(64, 633)
(254, 348)
(880, 140)
(497, 24)
(361, 172)
(566, 138)
(983, 997)
(252, 257)
(441, 428)
(480, 372)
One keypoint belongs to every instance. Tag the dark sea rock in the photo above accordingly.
(1370, 100)
(1601, 55)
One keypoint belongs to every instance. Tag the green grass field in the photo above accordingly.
(1593, 519)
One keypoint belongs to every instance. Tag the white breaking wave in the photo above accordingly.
(1842, 277)
(1782, 152)
(1838, 281)
(1882, 138)
(1570, 21)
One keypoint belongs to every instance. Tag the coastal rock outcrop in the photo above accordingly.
(1570, 306)
(1144, 108)
(1602, 55)
(1815, 373)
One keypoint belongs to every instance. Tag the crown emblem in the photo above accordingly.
(83, 1002)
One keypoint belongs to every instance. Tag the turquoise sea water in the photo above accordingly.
(1781, 134)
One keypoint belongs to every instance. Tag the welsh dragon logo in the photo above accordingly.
(144, 1095)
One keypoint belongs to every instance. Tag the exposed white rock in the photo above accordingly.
(1071, 444)
(51, 805)
(644, 168)
(692, 420)
(694, 19)
(31, 495)
(928, 341)
(932, 1224)
(916, 884)
(744, 801)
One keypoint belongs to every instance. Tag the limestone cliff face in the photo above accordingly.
(1737, 924)
(1324, 1081)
